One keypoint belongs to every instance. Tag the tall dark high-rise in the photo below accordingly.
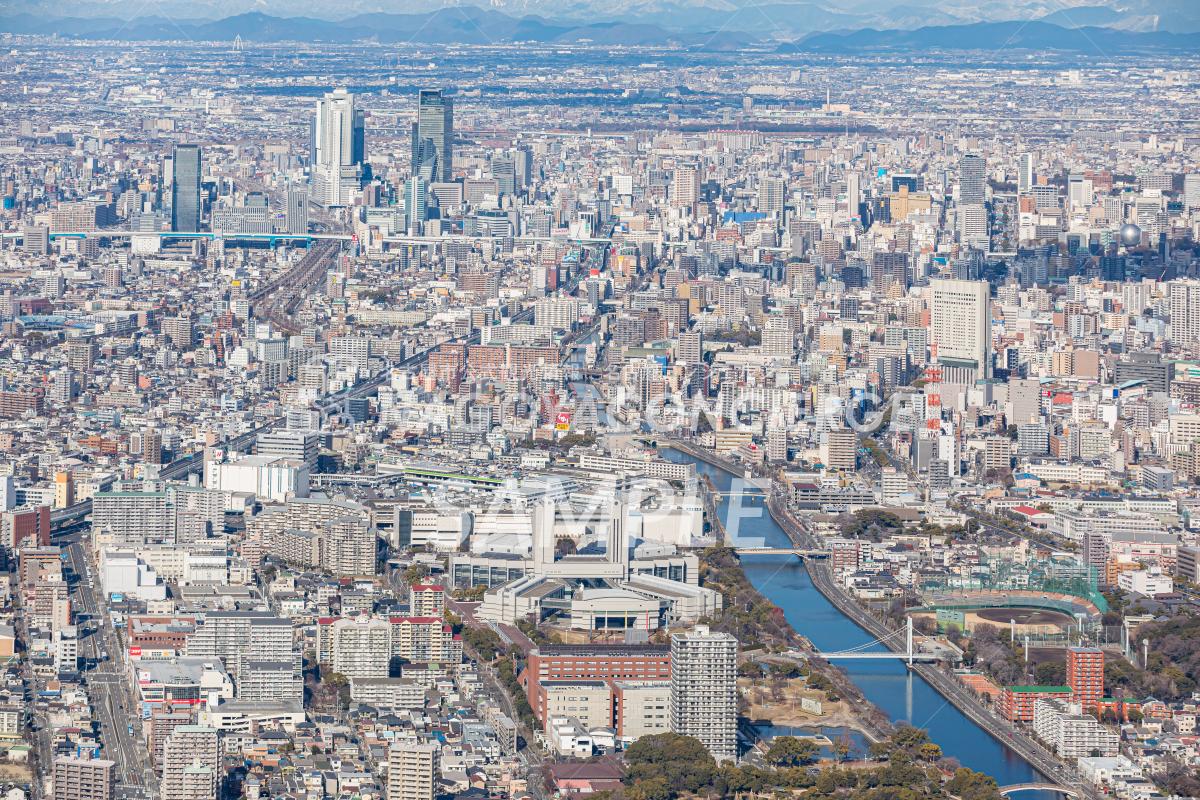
(185, 188)
(972, 180)
(297, 209)
(433, 137)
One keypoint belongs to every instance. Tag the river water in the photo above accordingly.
(902, 695)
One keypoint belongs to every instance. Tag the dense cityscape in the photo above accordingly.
(400, 422)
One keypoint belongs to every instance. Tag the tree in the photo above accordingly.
(870, 523)
(682, 761)
(475, 593)
(1051, 673)
(415, 573)
(970, 785)
(484, 641)
(790, 751)
(842, 747)
(750, 669)
(930, 751)
(908, 738)
(649, 789)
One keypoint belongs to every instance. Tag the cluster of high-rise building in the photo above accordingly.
(308, 393)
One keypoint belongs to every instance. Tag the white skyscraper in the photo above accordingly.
(973, 225)
(338, 147)
(1191, 190)
(853, 193)
(704, 697)
(960, 325)
(771, 193)
(1185, 311)
(778, 338)
(1025, 173)
(685, 187)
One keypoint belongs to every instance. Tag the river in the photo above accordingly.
(901, 694)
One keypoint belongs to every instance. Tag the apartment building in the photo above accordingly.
(191, 764)
(412, 771)
(704, 689)
(84, 779)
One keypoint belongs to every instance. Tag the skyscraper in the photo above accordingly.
(504, 171)
(523, 157)
(433, 137)
(853, 193)
(1191, 190)
(185, 188)
(1184, 297)
(416, 203)
(973, 225)
(1025, 173)
(972, 179)
(338, 148)
(685, 187)
(960, 324)
(297, 210)
(704, 689)
(771, 193)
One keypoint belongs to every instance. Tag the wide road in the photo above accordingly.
(109, 682)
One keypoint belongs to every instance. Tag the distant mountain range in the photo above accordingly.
(776, 20)
(457, 25)
(474, 25)
(998, 37)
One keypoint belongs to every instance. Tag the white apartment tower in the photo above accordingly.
(704, 698)
(412, 768)
(1185, 311)
(191, 764)
(362, 647)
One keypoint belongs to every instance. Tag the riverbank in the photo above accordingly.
(783, 705)
(1043, 761)
(914, 696)
(761, 626)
